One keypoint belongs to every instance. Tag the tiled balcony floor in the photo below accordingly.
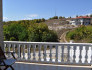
(37, 66)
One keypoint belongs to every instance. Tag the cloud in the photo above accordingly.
(89, 14)
(5, 18)
(31, 16)
(28, 18)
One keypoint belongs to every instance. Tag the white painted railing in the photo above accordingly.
(43, 52)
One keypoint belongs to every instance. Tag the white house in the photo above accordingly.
(81, 20)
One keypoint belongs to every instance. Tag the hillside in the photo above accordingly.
(54, 22)
(82, 34)
(59, 25)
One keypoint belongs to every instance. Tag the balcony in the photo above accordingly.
(50, 56)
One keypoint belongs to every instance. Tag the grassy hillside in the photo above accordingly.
(82, 34)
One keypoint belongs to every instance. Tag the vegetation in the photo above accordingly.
(81, 34)
(41, 33)
(91, 15)
(56, 17)
(29, 30)
(15, 32)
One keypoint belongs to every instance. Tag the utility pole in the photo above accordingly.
(55, 12)
(1, 26)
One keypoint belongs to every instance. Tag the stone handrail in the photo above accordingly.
(51, 52)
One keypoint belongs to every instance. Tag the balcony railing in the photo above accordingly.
(50, 52)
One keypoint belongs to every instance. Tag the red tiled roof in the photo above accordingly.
(82, 17)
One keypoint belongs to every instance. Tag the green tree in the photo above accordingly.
(55, 17)
(41, 33)
(49, 37)
(15, 32)
(60, 17)
(91, 15)
(43, 20)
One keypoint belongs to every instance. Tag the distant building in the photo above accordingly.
(81, 20)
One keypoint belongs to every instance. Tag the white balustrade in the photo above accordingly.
(50, 53)
(29, 54)
(19, 54)
(45, 47)
(56, 53)
(62, 56)
(65, 53)
(24, 51)
(39, 47)
(34, 52)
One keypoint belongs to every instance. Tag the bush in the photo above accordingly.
(81, 33)
(41, 33)
(15, 32)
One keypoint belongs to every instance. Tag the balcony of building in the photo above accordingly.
(50, 56)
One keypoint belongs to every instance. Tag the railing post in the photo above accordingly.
(24, 51)
(91, 55)
(80, 56)
(56, 46)
(62, 60)
(45, 47)
(19, 51)
(39, 52)
(86, 56)
(68, 55)
(50, 53)
(14, 48)
(74, 56)
(5, 48)
(34, 47)
(29, 55)
(9, 55)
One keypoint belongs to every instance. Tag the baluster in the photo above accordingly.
(14, 49)
(24, 51)
(34, 47)
(50, 53)
(29, 54)
(5, 48)
(39, 53)
(68, 56)
(56, 46)
(86, 50)
(9, 54)
(91, 55)
(74, 56)
(62, 60)
(80, 56)
(45, 47)
(19, 54)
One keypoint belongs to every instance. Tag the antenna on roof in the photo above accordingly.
(55, 12)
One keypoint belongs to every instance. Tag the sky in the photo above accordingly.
(36, 9)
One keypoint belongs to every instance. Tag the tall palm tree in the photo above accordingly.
(1, 26)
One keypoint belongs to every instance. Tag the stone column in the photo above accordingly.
(1, 26)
